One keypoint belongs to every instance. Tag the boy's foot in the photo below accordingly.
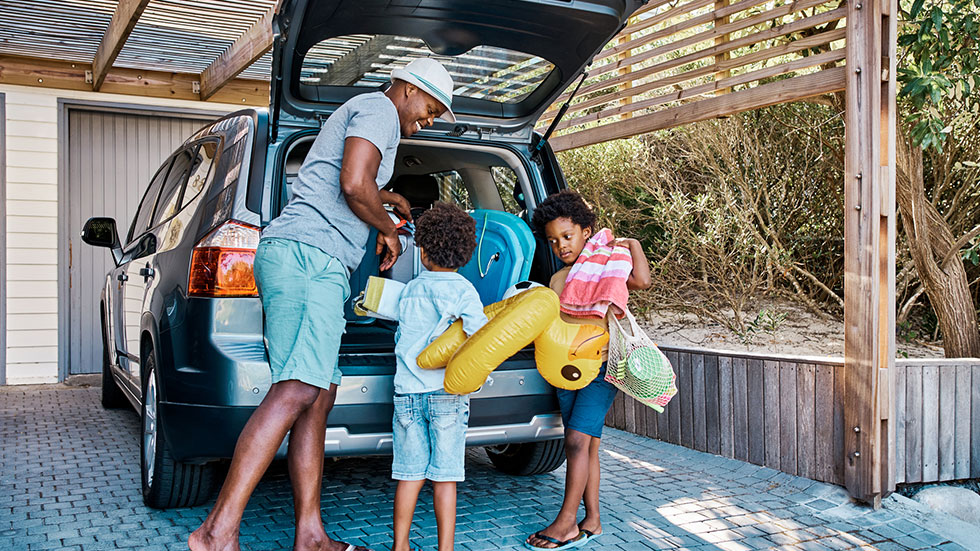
(591, 532)
(540, 540)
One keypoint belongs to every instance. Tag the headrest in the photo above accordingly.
(421, 190)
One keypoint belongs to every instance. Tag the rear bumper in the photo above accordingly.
(198, 434)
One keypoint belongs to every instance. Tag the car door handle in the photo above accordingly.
(122, 277)
(146, 272)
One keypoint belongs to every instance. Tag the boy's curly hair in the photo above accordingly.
(564, 204)
(447, 234)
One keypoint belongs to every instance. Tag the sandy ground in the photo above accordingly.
(800, 333)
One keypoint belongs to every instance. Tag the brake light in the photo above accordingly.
(221, 263)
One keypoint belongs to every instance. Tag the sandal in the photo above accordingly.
(578, 540)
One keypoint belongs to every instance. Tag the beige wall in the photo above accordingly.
(32, 223)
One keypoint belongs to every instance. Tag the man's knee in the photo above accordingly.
(295, 395)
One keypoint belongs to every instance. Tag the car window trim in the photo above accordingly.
(133, 236)
(196, 145)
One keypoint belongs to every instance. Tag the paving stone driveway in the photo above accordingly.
(69, 479)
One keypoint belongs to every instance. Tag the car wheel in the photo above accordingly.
(112, 395)
(166, 483)
(528, 458)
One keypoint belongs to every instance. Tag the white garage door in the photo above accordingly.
(111, 158)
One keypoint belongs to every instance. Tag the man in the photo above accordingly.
(302, 267)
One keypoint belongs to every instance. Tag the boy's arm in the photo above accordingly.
(640, 276)
(471, 312)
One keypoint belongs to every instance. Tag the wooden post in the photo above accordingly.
(723, 39)
(869, 249)
(624, 55)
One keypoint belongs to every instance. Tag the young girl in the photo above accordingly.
(568, 222)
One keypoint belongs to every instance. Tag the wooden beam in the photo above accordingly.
(672, 46)
(783, 91)
(869, 250)
(249, 47)
(63, 75)
(708, 88)
(124, 19)
(349, 68)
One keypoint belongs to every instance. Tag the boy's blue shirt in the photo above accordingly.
(429, 304)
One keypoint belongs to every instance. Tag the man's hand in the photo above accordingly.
(399, 202)
(391, 247)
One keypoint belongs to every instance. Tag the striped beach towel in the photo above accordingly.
(598, 278)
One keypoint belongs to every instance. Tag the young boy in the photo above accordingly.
(429, 425)
(568, 223)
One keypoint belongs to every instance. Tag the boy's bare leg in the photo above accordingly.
(255, 449)
(565, 526)
(591, 521)
(406, 496)
(305, 461)
(444, 499)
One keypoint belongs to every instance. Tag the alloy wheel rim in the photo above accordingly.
(150, 428)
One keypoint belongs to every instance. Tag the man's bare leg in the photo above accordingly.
(305, 460)
(255, 449)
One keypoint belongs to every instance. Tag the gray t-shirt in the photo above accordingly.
(317, 214)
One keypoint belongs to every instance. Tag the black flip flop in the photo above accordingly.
(578, 540)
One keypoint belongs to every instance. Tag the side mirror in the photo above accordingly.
(101, 232)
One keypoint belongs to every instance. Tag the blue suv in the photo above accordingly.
(182, 324)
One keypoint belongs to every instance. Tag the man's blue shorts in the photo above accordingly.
(585, 409)
(429, 436)
(303, 291)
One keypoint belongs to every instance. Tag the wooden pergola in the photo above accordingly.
(676, 62)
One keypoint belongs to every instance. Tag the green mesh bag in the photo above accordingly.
(637, 367)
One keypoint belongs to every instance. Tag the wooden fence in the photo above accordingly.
(787, 413)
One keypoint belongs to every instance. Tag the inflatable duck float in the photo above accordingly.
(567, 355)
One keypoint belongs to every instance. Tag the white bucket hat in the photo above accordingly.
(432, 78)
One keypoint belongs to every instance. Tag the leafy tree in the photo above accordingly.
(939, 78)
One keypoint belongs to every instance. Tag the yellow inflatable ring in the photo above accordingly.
(567, 355)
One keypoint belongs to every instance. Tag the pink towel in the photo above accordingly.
(598, 278)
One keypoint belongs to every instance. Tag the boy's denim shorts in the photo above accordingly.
(303, 291)
(429, 436)
(585, 409)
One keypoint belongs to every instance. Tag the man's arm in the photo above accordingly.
(358, 175)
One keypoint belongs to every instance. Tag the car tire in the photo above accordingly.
(528, 458)
(166, 483)
(112, 395)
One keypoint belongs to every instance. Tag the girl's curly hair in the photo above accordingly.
(447, 234)
(564, 204)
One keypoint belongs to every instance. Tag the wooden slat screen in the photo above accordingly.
(673, 55)
(787, 413)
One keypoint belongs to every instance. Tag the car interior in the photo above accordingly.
(491, 183)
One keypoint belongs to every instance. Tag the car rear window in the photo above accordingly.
(484, 72)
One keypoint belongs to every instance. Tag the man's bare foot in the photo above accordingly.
(203, 540)
(555, 532)
(323, 543)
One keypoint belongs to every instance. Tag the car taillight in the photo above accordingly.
(221, 264)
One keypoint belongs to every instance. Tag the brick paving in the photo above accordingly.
(69, 479)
